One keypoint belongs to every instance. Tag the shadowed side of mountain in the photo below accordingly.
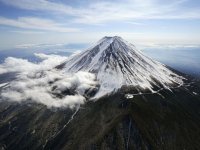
(164, 120)
(141, 122)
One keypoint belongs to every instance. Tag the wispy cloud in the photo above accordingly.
(52, 46)
(40, 5)
(27, 32)
(135, 9)
(135, 23)
(98, 12)
(147, 17)
(36, 23)
(168, 46)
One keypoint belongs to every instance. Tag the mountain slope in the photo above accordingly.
(146, 122)
(111, 123)
(151, 108)
(116, 62)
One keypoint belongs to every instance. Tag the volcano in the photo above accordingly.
(132, 103)
(117, 63)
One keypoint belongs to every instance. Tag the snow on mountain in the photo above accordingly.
(115, 62)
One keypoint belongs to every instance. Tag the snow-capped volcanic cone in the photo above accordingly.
(115, 62)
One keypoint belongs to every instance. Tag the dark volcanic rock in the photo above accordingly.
(114, 122)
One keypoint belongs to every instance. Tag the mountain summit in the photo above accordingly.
(116, 62)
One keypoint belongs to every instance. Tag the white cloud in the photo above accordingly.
(27, 32)
(168, 46)
(52, 46)
(42, 5)
(98, 12)
(135, 23)
(36, 23)
(135, 9)
(41, 83)
(12, 64)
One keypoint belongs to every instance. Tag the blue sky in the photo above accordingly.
(148, 22)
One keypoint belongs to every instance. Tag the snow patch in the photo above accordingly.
(129, 96)
(194, 93)
(3, 84)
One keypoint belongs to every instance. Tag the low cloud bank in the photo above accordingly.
(41, 83)
(18, 65)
